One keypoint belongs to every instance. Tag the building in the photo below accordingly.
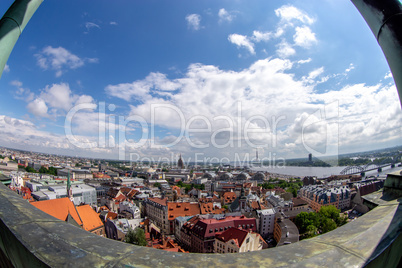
(235, 240)
(81, 216)
(285, 232)
(156, 210)
(76, 174)
(198, 234)
(91, 221)
(81, 193)
(318, 196)
(266, 221)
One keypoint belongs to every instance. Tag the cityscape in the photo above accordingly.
(208, 133)
(192, 208)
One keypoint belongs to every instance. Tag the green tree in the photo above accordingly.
(327, 225)
(31, 170)
(43, 170)
(136, 237)
(311, 231)
(157, 184)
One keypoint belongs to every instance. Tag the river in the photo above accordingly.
(319, 172)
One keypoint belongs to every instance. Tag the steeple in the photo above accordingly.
(180, 163)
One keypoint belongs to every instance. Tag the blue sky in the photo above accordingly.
(206, 79)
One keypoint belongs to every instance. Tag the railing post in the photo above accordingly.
(384, 18)
(12, 24)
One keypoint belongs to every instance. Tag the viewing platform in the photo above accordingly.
(32, 238)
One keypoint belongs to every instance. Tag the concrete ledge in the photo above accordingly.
(30, 237)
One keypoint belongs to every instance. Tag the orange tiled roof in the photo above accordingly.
(160, 201)
(229, 197)
(182, 209)
(176, 188)
(208, 208)
(59, 208)
(89, 217)
(111, 215)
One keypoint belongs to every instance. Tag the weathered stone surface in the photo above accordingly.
(29, 235)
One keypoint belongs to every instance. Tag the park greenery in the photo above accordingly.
(188, 186)
(136, 237)
(42, 170)
(311, 224)
(291, 186)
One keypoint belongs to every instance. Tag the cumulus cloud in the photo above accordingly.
(289, 13)
(304, 37)
(193, 21)
(140, 89)
(220, 102)
(38, 108)
(285, 50)
(59, 59)
(261, 36)
(60, 98)
(242, 41)
(290, 18)
(224, 15)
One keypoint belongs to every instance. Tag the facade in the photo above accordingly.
(198, 235)
(235, 240)
(156, 209)
(318, 196)
(266, 218)
(131, 208)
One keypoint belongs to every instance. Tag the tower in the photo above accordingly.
(180, 163)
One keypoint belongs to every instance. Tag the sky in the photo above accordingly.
(210, 80)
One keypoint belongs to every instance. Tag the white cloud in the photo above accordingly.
(285, 50)
(113, 23)
(38, 108)
(315, 73)
(304, 61)
(140, 89)
(242, 41)
(193, 21)
(58, 59)
(21, 93)
(261, 36)
(304, 37)
(6, 68)
(288, 13)
(388, 75)
(90, 25)
(350, 68)
(60, 98)
(224, 15)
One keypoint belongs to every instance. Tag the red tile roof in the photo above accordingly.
(159, 201)
(59, 208)
(89, 217)
(233, 234)
(111, 215)
(182, 209)
(229, 197)
(212, 227)
(208, 208)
